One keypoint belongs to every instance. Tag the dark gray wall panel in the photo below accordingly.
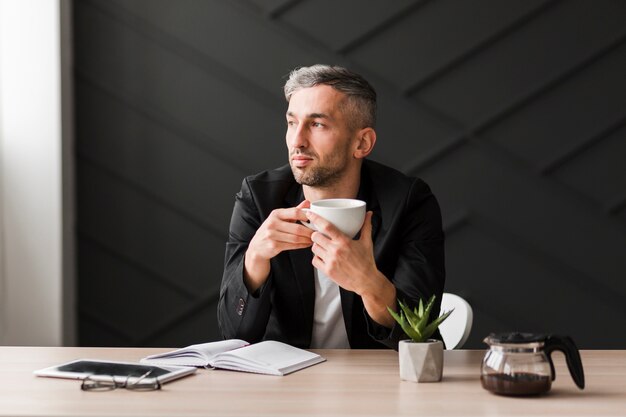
(599, 172)
(513, 112)
(119, 217)
(95, 333)
(514, 285)
(214, 31)
(539, 214)
(407, 132)
(567, 115)
(268, 7)
(124, 295)
(137, 148)
(332, 30)
(165, 83)
(195, 326)
(434, 35)
(525, 60)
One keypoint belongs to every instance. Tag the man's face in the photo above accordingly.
(319, 139)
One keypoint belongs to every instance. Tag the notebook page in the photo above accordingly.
(195, 355)
(271, 356)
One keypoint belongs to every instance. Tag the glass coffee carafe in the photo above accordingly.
(520, 363)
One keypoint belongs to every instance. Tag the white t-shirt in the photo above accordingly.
(329, 328)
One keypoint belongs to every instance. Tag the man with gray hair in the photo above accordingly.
(282, 281)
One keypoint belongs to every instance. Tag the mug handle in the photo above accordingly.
(572, 356)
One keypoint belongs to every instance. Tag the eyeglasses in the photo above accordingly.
(108, 383)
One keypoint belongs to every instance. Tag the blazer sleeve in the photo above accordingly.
(242, 315)
(420, 266)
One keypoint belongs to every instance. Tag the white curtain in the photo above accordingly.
(30, 172)
(2, 289)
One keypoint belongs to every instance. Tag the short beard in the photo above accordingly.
(318, 177)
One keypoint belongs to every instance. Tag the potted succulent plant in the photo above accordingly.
(421, 358)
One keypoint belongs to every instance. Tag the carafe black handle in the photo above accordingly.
(572, 356)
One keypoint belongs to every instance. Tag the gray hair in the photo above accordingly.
(361, 103)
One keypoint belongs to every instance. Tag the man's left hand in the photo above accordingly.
(351, 264)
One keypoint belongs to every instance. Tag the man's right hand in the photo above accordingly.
(279, 232)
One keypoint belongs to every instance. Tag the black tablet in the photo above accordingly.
(121, 371)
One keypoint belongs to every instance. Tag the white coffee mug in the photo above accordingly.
(346, 214)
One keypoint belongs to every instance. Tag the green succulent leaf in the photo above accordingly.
(404, 324)
(411, 332)
(415, 322)
(429, 306)
(399, 318)
(430, 329)
(421, 309)
(410, 316)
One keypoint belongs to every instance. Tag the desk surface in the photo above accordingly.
(363, 383)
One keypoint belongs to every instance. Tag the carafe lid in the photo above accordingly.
(515, 338)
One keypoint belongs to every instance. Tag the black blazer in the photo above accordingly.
(408, 248)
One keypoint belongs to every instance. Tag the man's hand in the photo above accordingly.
(279, 232)
(351, 264)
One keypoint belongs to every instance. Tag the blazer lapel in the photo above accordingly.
(382, 200)
(349, 307)
(303, 275)
(302, 268)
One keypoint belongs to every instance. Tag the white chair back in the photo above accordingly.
(457, 327)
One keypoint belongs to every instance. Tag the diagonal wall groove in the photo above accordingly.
(170, 43)
(149, 195)
(581, 147)
(456, 222)
(138, 266)
(174, 321)
(478, 47)
(617, 206)
(199, 140)
(103, 322)
(509, 109)
(382, 26)
(282, 8)
(611, 295)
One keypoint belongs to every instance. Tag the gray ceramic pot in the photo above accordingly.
(421, 362)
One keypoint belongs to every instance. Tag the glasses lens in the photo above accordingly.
(152, 384)
(102, 384)
(97, 385)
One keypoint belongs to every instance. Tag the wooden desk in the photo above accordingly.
(360, 383)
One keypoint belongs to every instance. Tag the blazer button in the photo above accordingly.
(240, 306)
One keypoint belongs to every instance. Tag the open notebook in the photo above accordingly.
(267, 357)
